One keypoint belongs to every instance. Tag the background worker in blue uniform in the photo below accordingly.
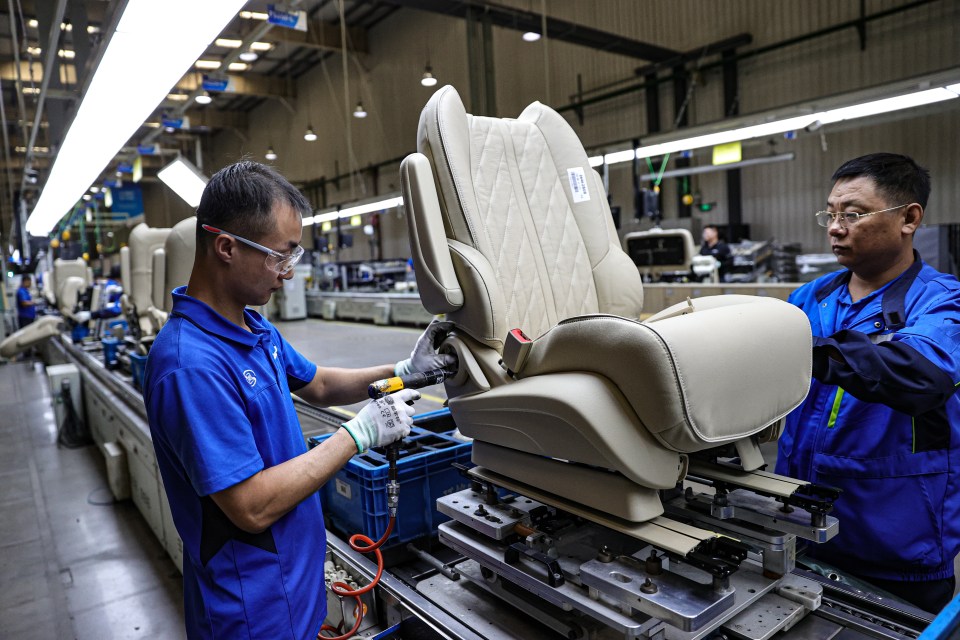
(241, 484)
(26, 306)
(882, 420)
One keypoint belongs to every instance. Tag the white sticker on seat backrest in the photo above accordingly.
(578, 184)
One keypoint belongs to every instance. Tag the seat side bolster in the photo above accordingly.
(125, 271)
(157, 274)
(619, 286)
(439, 288)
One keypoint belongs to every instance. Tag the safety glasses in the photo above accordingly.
(281, 263)
(848, 218)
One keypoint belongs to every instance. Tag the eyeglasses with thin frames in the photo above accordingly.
(848, 218)
(281, 263)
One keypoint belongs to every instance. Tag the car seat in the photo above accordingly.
(510, 229)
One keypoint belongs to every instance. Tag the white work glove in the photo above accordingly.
(383, 421)
(81, 317)
(424, 356)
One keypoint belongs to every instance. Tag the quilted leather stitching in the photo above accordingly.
(505, 242)
(568, 264)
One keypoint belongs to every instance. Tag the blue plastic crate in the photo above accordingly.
(355, 500)
(137, 365)
(110, 347)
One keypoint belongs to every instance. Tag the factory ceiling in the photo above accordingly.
(49, 49)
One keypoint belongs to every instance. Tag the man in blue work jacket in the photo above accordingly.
(882, 420)
(241, 484)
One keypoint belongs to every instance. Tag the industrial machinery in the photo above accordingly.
(661, 253)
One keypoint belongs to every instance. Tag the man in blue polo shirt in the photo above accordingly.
(882, 420)
(241, 484)
(26, 307)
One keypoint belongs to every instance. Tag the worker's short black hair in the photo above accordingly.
(897, 177)
(240, 199)
(712, 226)
(26, 277)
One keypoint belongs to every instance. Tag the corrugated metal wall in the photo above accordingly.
(778, 199)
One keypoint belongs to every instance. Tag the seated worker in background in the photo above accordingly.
(714, 246)
(26, 307)
(882, 419)
(242, 486)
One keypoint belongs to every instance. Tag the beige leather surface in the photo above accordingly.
(662, 532)
(520, 244)
(511, 229)
(63, 269)
(70, 289)
(180, 248)
(437, 283)
(595, 488)
(142, 242)
(573, 416)
(44, 327)
(694, 380)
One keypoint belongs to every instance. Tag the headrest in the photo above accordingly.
(143, 241)
(180, 247)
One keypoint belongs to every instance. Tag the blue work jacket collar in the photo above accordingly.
(894, 293)
(205, 318)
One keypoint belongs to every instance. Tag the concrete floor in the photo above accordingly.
(354, 344)
(73, 563)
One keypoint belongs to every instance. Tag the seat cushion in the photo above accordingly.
(696, 380)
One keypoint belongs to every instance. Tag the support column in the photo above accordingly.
(731, 107)
(681, 84)
(483, 96)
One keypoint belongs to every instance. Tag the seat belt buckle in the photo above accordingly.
(516, 348)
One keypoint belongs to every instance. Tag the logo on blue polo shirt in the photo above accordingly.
(252, 379)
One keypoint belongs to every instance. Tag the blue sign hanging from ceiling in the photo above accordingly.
(217, 84)
(289, 19)
(127, 201)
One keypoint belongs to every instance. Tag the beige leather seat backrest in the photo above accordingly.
(70, 290)
(180, 249)
(143, 242)
(144, 251)
(34, 333)
(531, 234)
(63, 269)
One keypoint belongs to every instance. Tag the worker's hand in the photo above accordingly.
(425, 356)
(383, 421)
(81, 317)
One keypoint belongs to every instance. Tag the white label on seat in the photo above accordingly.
(578, 184)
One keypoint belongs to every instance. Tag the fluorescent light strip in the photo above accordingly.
(723, 137)
(357, 210)
(886, 105)
(230, 43)
(185, 180)
(103, 123)
(872, 108)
